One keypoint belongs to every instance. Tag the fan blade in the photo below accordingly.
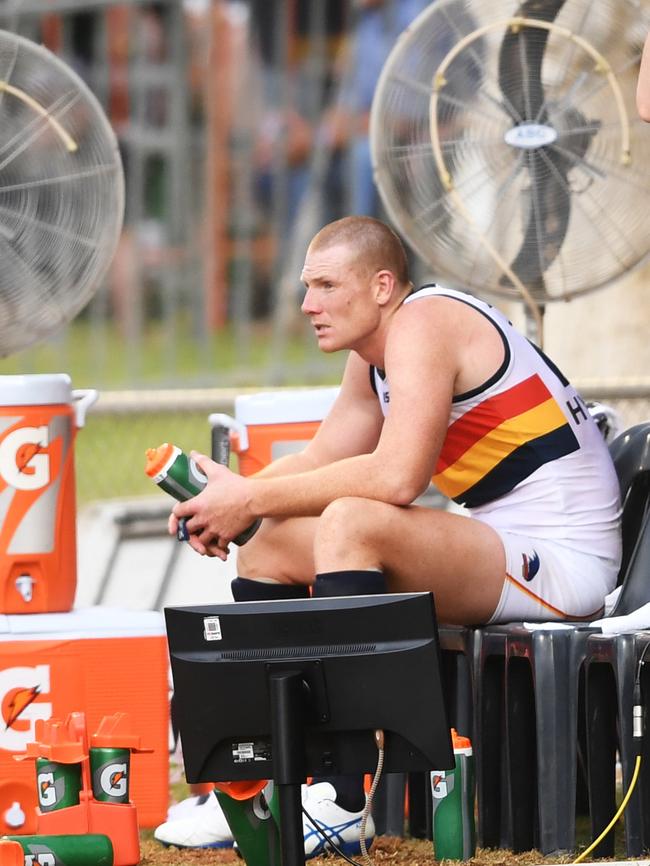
(548, 222)
(520, 79)
(550, 193)
(520, 63)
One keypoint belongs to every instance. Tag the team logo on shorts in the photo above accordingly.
(530, 565)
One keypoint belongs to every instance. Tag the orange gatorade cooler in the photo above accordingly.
(98, 661)
(39, 418)
(271, 424)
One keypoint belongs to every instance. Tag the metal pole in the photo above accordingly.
(287, 738)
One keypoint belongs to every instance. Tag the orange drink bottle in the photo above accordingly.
(178, 475)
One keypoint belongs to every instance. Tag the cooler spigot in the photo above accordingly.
(25, 586)
(15, 816)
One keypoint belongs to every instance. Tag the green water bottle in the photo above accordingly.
(174, 472)
(78, 850)
(110, 774)
(58, 785)
(177, 474)
(253, 827)
(454, 831)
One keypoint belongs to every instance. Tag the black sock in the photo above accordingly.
(244, 589)
(359, 582)
(350, 794)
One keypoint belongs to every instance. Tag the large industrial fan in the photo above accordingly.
(507, 148)
(61, 193)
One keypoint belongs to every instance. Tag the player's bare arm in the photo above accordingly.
(351, 427)
(396, 471)
(399, 468)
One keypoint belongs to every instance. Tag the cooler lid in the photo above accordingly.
(285, 407)
(92, 623)
(35, 390)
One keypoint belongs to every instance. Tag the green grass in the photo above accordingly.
(170, 354)
(110, 449)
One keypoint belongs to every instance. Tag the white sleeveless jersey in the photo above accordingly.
(522, 452)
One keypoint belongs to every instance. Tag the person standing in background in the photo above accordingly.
(376, 26)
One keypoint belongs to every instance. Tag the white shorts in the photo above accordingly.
(546, 581)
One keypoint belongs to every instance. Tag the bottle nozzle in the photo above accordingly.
(156, 458)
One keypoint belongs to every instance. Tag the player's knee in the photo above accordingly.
(274, 553)
(265, 556)
(345, 520)
(249, 559)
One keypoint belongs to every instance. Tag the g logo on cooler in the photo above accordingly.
(22, 464)
(21, 706)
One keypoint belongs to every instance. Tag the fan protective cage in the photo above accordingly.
(61, 193)
(525, 160)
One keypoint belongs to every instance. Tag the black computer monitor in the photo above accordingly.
(363, 663)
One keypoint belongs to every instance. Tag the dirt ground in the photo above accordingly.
(386, 851)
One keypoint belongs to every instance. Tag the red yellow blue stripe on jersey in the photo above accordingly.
(501, 441)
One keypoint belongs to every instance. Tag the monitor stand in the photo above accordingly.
(288, 744)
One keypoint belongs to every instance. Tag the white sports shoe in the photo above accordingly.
(201, 825)
(339, 825)
(185, 808)
(199, 822)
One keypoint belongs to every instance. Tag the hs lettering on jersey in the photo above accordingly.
(578, 409)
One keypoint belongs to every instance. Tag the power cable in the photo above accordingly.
(618, 814)
(380, 741)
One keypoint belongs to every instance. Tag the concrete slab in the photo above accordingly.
(125, 558)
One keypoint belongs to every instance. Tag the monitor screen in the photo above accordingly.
(366, 662)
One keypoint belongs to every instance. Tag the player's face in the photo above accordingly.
(338, 299)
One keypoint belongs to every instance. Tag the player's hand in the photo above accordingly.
(210, 547)
(219, 513)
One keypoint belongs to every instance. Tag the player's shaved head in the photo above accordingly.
(374, 246)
